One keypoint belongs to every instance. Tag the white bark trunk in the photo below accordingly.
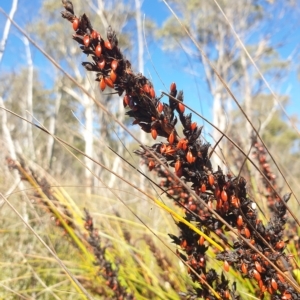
(7, 28)
(52, 129)
(28, 105)
(219, 121)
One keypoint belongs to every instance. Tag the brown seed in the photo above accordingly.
(193, 126)
(113, 76)
(244, 268)
(286, 296)
(181, 107)
(75, 24)
(270, 290)
(183, 244)
(101, 63)
(126, 100)
(226, 294)
(152, 92)
(146, 88)
(263, 288)
(201, 240)
(235, 201)
(98, 50)
(211, 179)
(163, 148)
(203, 188)
(171, 138)
(108, 45)
(219, 204)
(240, 221)
(280, 245)
(179, 173)
(189, 157)
(258, 266)
(154, 133)
(114, 65)
(109, 82)
(224, 196)
(274, 284)
(177, 165)
(247, 233)
(225, 206)
(160, 107)
(86, 40)
(173, 87)
(102, 84)
(151, 165)
(192, 207)
(281, 278)
(256, 275)
(226, 266)
(94, 34)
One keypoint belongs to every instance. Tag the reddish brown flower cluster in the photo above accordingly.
(43, 188)
(220, 195)
(260, 154)
(110, 275)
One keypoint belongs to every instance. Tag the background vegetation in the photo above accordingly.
(252, 44)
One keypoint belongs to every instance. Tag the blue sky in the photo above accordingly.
(169, 67)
